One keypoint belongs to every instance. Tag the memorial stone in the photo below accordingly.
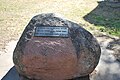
(52, 48)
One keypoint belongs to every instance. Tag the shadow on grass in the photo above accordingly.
(106, 16)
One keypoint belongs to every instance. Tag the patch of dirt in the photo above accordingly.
(6, 61)
(109, 66)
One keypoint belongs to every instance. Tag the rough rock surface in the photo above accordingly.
(49, 58)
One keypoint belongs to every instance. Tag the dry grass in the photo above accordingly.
(15, 14)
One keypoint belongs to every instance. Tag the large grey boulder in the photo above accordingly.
(55, 58)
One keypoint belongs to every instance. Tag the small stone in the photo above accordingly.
(56, 58)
